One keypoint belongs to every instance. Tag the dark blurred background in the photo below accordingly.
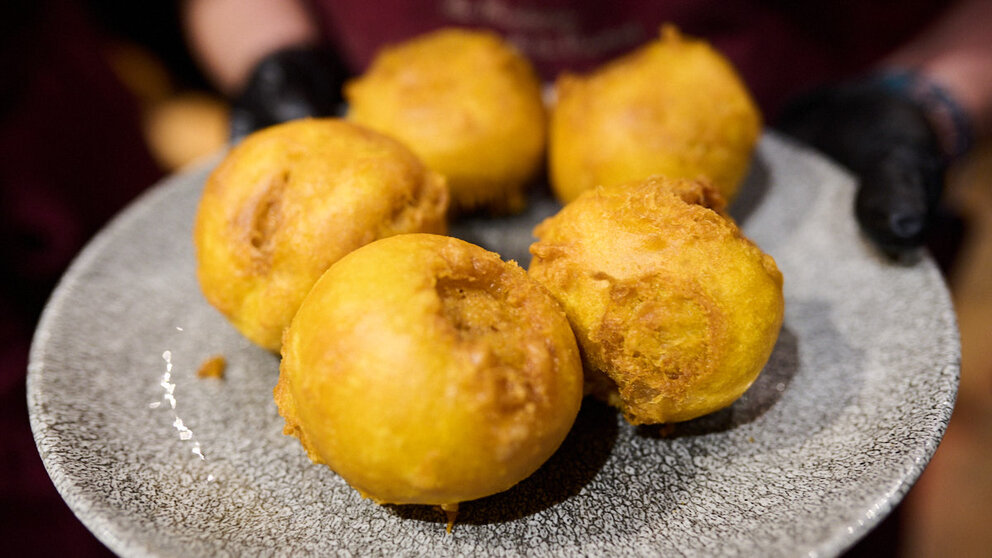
(100, 99)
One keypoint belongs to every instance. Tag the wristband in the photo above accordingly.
(950, 122)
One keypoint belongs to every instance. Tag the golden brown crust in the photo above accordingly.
(674, 107)
(667, 299)
(291, 200)
(468, 104)
(424, 369)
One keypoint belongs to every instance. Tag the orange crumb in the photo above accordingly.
(213, 367)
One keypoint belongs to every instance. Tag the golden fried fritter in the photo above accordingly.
(665, 295)
(426, 370)
(289, 201)
(674, 107)
(468, 104)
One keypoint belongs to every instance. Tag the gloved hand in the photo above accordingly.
(288, 84)
(885, 130)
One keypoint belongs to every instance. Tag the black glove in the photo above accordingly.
(288, 84)
(883, 129)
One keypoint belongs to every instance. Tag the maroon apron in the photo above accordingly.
(780, 47)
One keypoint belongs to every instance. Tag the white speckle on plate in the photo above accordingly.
(185, 433)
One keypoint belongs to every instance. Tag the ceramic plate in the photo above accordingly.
(158, 462)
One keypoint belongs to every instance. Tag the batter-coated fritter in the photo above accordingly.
(468, 104)
(666, 297)
(674, 107)
(289, 201)
(426, 370)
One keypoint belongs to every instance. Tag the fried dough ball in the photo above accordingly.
(468, 104)
(667, 299)
(674, 107)
(426, 370)
(289, 201)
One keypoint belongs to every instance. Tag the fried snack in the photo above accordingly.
(675, 311)
(426, 370)
(465, 102)
(292, 199)
(674, 107)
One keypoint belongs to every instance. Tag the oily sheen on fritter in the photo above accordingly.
(426, 370)
(676, 312)
(289, 201)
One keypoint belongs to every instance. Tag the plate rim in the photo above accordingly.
(842, 536)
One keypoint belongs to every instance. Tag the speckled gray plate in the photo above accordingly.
(845, 416)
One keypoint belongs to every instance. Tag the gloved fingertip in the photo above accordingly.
(242, 124)
(893, 229)
(897, 196)
(909, 227)
(238, 133)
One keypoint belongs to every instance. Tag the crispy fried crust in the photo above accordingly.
(468, 104)
(291, 200)
(674, 107)
(675, 311)
(424, 369)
